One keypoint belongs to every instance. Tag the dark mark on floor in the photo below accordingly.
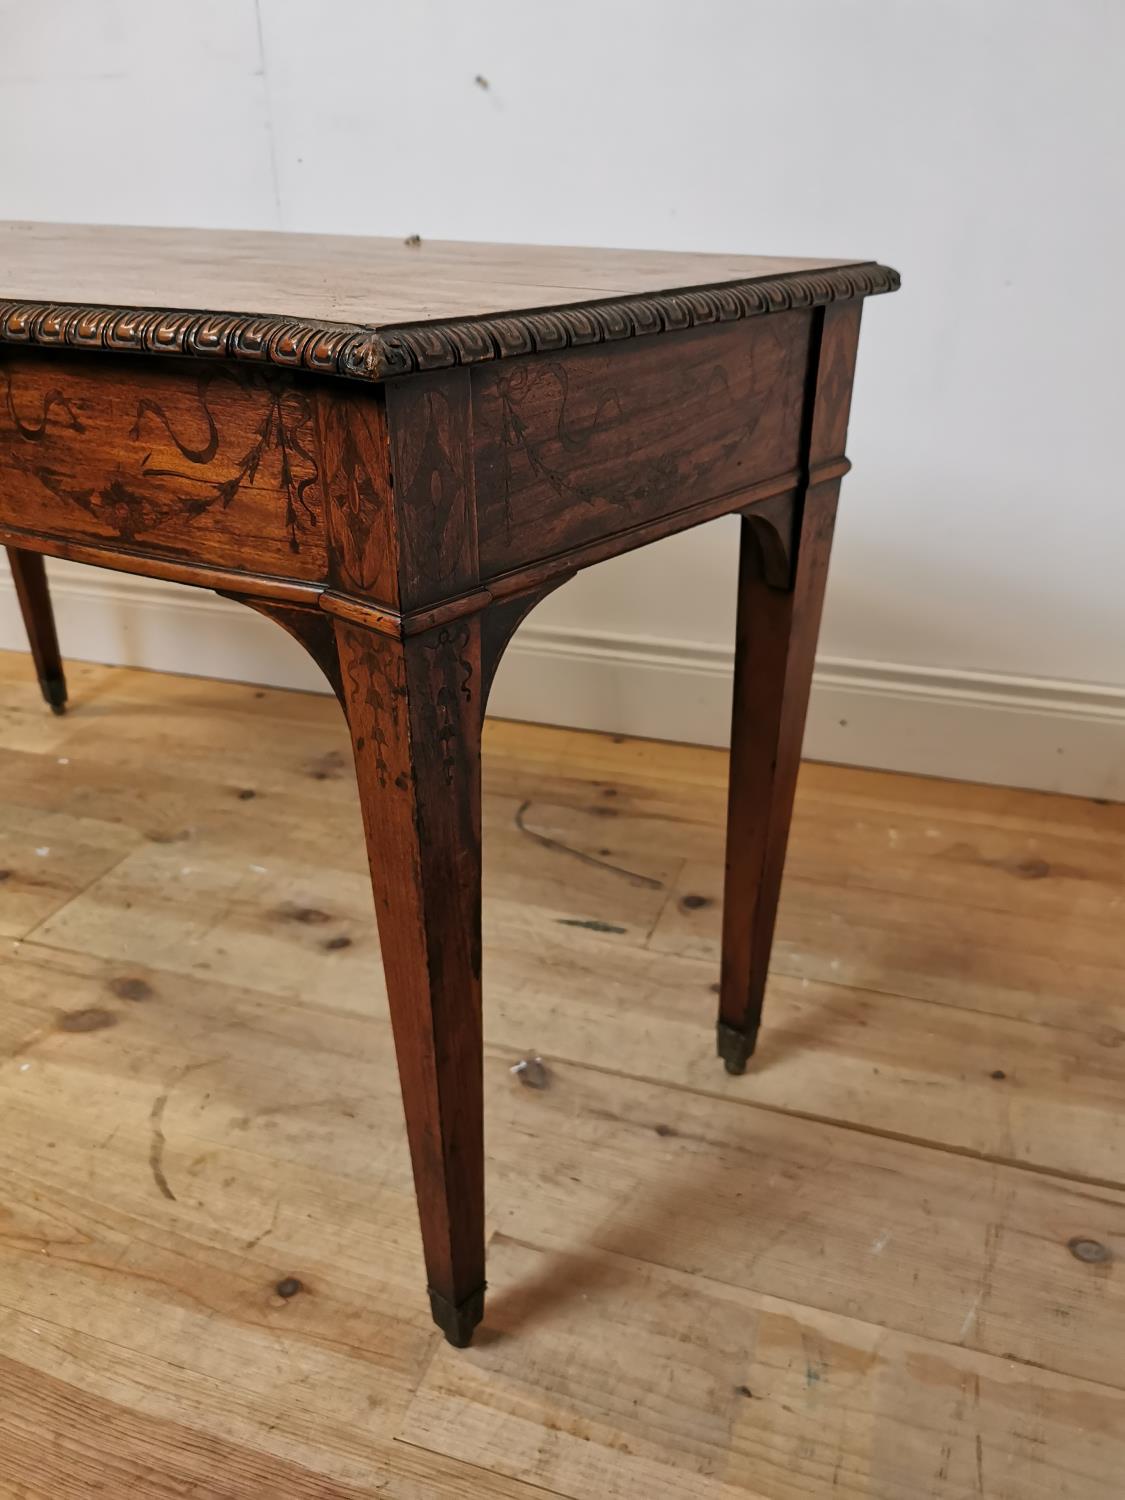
(694, 903)
(156, 1121)
(999, 1073)
(1023, 867)
(131, 988)
(590, 923)
(980, 1461)
(87, 1020)
(269, 1229)
(339, 1102)
(587, 859)
(247, 794)
(156, 1146)
(744, 1390)
(309, 916)
(666, 1130)
(335, 944)
(289, 1287)
(5, 874)
(326, 767)
(1089, 1252)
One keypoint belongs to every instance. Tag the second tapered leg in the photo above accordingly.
(415, 711)
(30, 577)
(775, 648)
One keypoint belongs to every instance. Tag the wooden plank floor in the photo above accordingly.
(886, 1263)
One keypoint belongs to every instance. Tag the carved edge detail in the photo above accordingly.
(359, 353)
(330, 348)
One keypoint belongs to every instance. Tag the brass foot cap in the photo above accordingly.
(735, 1047)
(457, 1321)
(54, 692)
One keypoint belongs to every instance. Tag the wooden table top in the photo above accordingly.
(327, 300)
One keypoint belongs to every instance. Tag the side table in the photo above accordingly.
(395, 450)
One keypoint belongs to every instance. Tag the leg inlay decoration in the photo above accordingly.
(415, 711)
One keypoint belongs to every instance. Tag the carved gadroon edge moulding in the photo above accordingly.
(359, 353)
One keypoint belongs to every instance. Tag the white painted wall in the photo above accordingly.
(976, 146)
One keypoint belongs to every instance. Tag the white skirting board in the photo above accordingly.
(1030, 732)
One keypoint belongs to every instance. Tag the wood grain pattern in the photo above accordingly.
(837, 347)
(573, 451)
(775, 651)
(435, 499)
(225, 579)
(149, 1456)
(353, 446)
(769, 1399)
(415, 710)
(373, 308)
(356, 279)
(522, 423)
(782, 577)
(697, 1290)
(213, 466)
